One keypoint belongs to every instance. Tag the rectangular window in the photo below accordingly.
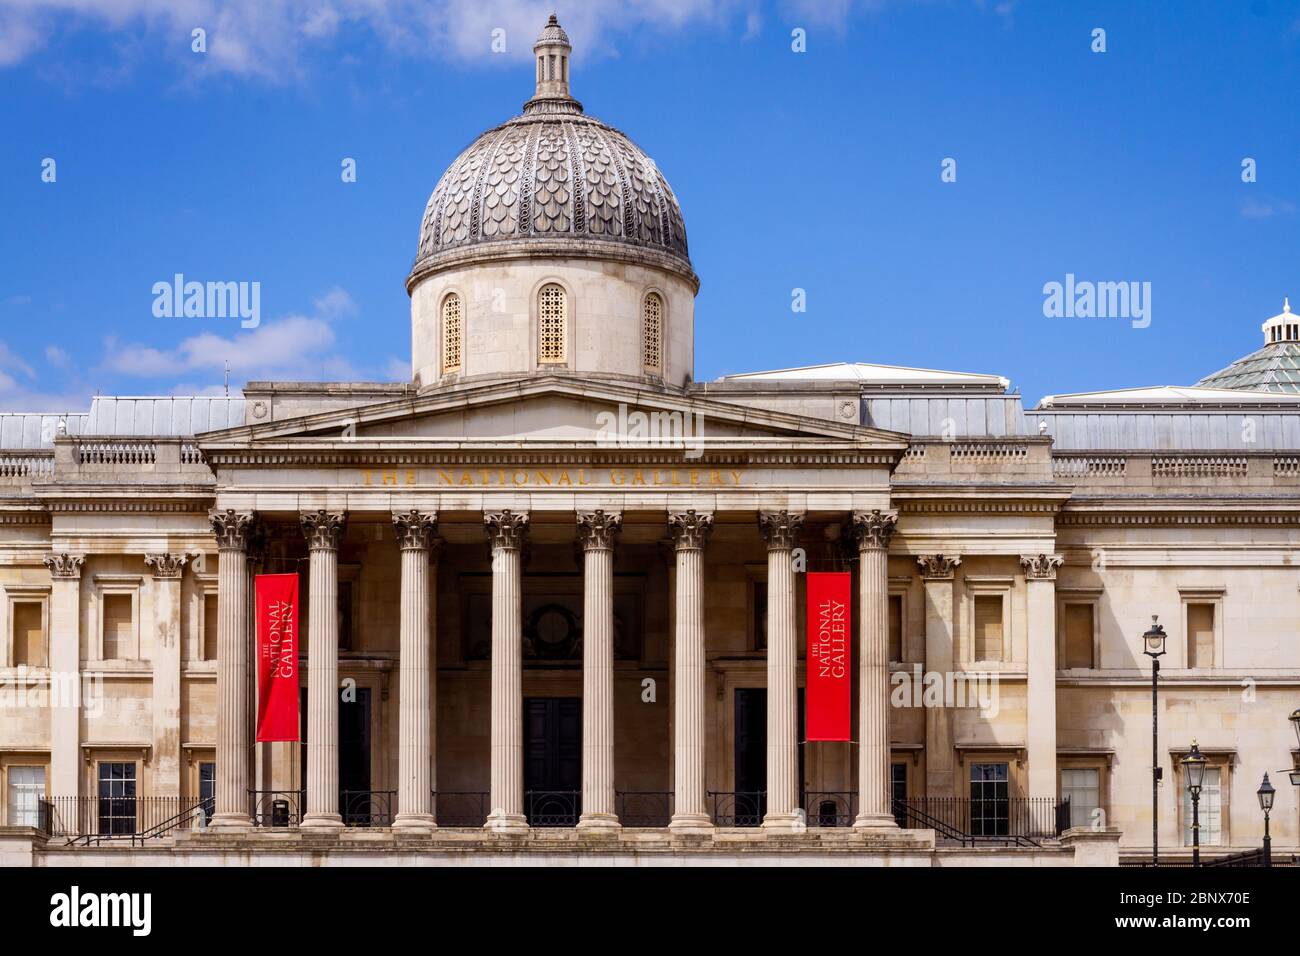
(988, 627)
(1210, 809)
(117, 798)
(989, 799)
(1082, 787)
(1078, 635)
(345, 615)
(898, 791)
(1200, 635)
(119, 630)
(26, 790)
(895, 627)
(29, 634)
(210, 627)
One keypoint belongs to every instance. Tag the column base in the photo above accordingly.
(599, 821)
(230, 821)
(500, 822)
(414, 823)
(322, 821)
(691, 823)
(875, 821)
(784, 823)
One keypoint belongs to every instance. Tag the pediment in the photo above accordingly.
(552, 410)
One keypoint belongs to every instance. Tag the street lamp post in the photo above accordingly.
(1194, 766)
(1265, 794)
(1295, 772)
(1153, 645)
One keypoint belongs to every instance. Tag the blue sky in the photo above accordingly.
(816, 170)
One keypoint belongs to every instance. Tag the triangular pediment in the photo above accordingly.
(552, 409)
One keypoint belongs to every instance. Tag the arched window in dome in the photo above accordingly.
(452, 333)
(652, 325)
(552, 323)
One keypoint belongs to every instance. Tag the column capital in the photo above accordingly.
(780, 529)
(1041, 567)
(507, 530)
(598, 530)
(64, 565)
(938, 567)
(690, 529)
(323, 528)
(168, 564)
(232, 528)
(415, 529)
(874, 528)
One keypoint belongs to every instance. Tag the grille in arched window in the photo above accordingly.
(652, 332)
(551, 319)
(451, 333)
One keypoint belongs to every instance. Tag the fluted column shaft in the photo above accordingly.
(65, 665)
(781, 531)
(414, 742)
(167, 570)
(323, 530)
(873, 529)
(233, 674)
(506, 530)
(690, 811)
(597, 532)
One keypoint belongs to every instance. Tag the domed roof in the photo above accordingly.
(1275, 367)
(552, 180)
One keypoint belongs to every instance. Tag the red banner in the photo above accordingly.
(277, 656)
(828, 695)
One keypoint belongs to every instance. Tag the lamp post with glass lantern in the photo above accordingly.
(1295, 771)
(1194, 767)
(1265, 794)
(1153, 645)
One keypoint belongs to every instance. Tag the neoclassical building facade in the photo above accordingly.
(552, 588)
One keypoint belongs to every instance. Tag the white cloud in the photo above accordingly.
(1266, 208)
(56, 356)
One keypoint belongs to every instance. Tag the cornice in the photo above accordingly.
(1177, 518)
(308, 457)
(197, 505)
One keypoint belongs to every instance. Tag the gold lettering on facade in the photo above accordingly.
(548, 478)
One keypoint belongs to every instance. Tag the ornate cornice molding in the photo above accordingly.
(231, 528)
(145, 504)
(1177, 518)
(507, 530)
(168, 564)
(1041, 567)
(598, 530)
(938, 567)
(322, 528)
(690, 529)
(780, 529)
(982, 506)
(415, 529)
(372, 459)
(64, 565)
(874, 528)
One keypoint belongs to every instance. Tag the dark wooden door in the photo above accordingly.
(356, 803)
(552, 760)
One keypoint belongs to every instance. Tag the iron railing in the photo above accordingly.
(1009, 821)
(367, 808)
(460, 808)
(830, 808)
(738, 808)
(93, 820)
(276, 808)
(644, 808)
(553, 808)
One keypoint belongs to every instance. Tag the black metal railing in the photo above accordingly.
(738, 808)
(553, 808)
(93, 820)
(276, 808)
(367, 808)
(44, 816)
(460, 808)
(644, 808)
(830, 808)
(1008, 821)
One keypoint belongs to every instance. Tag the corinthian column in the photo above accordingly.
(65, 673)
(597, 532)
(873, 530)
(781, 532)
(167, 571)
(414, 748)
(323, 530)
(506, 531)
(1040, 582)
(689, 531)
(233, 716)
(938, 571)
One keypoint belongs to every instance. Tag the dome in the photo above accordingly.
(552, 180)
(1273, 368)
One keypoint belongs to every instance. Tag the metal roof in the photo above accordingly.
(162, 417)
(31, 430)
(952, 416)
(1274, 368)
(1169, 429)
(869, 373)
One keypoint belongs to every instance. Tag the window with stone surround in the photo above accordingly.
(1082, 787)
(24, 789)
(988, 627)
(1079, 627)
(552, 324)
(118, 631)
(210, 618)
(1202, 626)
(28, 628)
(452, 334)
(1210, 811)
(652, 333)
(896, 627)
